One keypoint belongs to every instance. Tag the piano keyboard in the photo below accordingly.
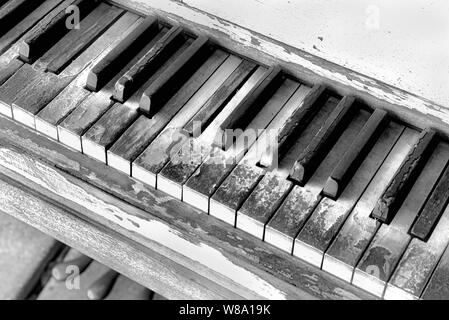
(336, 183)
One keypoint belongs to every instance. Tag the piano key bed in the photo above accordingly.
(253, 180)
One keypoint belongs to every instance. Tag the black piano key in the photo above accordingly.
(162, 89)
(50, 29)
(392, 198)
(342, 174)
(297, 122)
(312, 156)
(127, 46)
(78, 40)
(144, 130)
(11, 37)
(434, 207)
(163, 49)
(13, 11)
(221, 96)
(257, 97)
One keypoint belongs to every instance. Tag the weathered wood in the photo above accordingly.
(50, 116)
(223, 94)
(176, 172)
(418, 262)
(77, 40)
(342, 174)
(50, 29)
(262, 204)
(23, 25)
(237, 187)
(127, 45)
(259, 260)
(437, 288)
(327, 218)
(257, 97)
(311, 157)
(215, 168)
(297, 207)
(25, 252)
(433, 209)
(400, 185)
(148, 64)
(296, 123)
(148, 164)
(94, 106)
(357, 231)
(8, 70)
(383, 253)
(158, 93)
(144, 130)
(12, 87)
(116, 120)
(36, 95)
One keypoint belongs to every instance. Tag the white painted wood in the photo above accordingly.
(346, 42)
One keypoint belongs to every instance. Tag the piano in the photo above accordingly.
(205, 161)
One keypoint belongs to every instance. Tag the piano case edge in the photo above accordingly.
(144, 230)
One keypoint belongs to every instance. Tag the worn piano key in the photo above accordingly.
(298, 205)
(206, 179)
(295, 124)
(94, 106)
(262, 203)
(311, 157)
(51, 28)
(223, 94)
(244, 178)
(63, 52)
(102, 286)
(23, 25)
(342, 174)
(432, 210)
(132, 79)
(437, 288)
(36, 95)
(9, 70)
(418, 263)
(257, 97)
(153, 159)
(144, 130)
(13, 11)
(166, 85)
(400, 185)
(327, 218)
(126, 46)
(59, 271)
(116, 120)
(174, 175)
(25, 252)
(383, 253)
(12, 87)
(52, 114)
(346, 249)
